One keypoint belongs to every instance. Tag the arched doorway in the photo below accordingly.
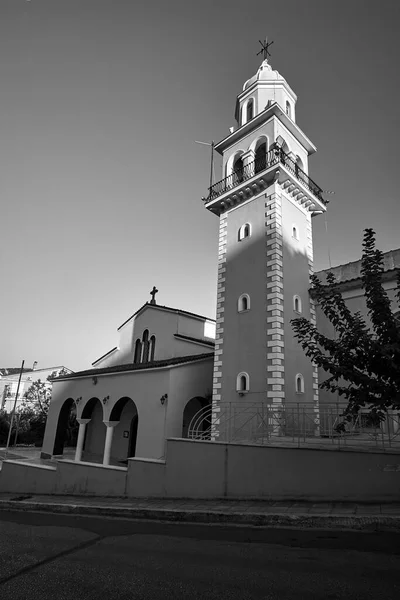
(196, 407)
(64, 425)
(95, 433)
(125, 433)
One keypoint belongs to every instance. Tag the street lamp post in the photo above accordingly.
(13, 411)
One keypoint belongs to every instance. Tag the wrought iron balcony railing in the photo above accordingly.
(271, 158)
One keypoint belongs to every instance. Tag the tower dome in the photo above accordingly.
(266, 87)
(264, 73)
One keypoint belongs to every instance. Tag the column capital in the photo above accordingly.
(248, 156)
(110, 423)
(83, 421)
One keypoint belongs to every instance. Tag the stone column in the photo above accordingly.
(248, 163)
(81, 437)
(109, 435)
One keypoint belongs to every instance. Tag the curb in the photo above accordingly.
(357, 522)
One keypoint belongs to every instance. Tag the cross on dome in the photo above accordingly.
(264, 48)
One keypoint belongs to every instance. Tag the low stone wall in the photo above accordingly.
(21, 478)
(82, 478)
(197, 469)
(64, 477)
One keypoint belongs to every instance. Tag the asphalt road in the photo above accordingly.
(53, 557)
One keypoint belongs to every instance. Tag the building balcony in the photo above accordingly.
(252, 178)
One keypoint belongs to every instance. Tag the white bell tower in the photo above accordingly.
(265, 201)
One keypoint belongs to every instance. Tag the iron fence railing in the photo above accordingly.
(293, 424)
(271, 158)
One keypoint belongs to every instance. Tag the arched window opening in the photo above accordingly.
(238, 170)
(138, 352)
(250, 110)
(196, 422)
(299, 383)
(145, 343)
(244, 231)
(242, 382)
(295, 232)
(288, 109)
(152, 347)
(244, 302)
(260, 158)
(243, 115)
(297, 304)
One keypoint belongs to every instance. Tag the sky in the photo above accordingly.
(101, 102)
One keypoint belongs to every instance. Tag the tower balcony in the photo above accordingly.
(254, 177)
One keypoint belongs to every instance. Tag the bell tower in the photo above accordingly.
(265, 202)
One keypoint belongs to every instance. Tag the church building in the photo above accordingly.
(167, 366)
(176, 374)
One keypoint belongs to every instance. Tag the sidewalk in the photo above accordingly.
(321, 515)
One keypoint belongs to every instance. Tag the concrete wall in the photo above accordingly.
(21, 478)
(212, 469)
(85, 478)
(67, 477)
(215, 470)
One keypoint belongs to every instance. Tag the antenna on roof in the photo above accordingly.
(212, 160)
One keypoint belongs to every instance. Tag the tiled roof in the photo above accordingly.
(104, 355)
(156, 364)
(352, 271)
(175, 310)
(193, 339)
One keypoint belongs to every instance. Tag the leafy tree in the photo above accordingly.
(37, 399)
(363, 361)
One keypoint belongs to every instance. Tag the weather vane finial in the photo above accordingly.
(264, 48)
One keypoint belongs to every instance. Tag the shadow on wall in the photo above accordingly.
(67, 427)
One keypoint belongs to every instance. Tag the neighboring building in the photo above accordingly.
(9, 384)
(348, 278)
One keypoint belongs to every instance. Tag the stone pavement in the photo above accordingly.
(265, 513)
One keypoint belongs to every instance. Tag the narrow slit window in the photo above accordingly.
(244, 231)
(244, 303)
(242, 382)
(250, 110)
(299, 383)
(297, 304)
